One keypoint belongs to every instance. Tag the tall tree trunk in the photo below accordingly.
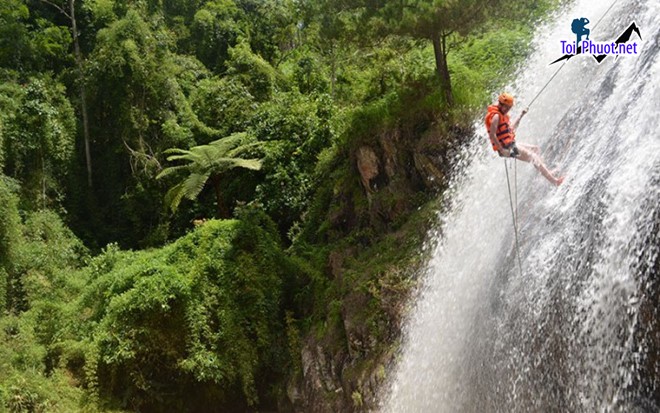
(440, 51)
(83, 98)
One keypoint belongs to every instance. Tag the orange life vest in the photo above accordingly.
(504, 132)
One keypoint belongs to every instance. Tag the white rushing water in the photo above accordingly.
(566, 334)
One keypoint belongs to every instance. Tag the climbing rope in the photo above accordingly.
(513, 217)
(515, 187)
(514, 211)
(546, 85)
(564, 64)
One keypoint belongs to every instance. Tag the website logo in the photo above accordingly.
(581, 44)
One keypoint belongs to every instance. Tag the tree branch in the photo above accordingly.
(59, 8)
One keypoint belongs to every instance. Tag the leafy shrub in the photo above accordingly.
(196, 320)
(39, 139)
(24, 385)
(214, 31)
(9, 236)
(485, 63)
(224, 104)
(29, 43)
(309, 75)
(49, 251)
(298, 128)
(252, 71)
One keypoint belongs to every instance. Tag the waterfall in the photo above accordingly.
(571, 332)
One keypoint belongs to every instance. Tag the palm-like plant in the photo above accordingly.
(207, 163)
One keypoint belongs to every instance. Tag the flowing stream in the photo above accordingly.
(569, 332)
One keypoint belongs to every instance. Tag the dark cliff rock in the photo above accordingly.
(393, 173)
(648, 329)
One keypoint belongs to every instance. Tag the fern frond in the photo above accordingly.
(194, 184)
(232, 141)
(170, 170)
(252, 164)
(173, 197)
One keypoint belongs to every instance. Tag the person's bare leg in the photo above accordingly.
(526, 156)
(532, 148)
(535, 149)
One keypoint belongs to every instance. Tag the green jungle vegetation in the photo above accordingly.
(182, 207)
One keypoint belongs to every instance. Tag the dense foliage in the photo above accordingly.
(196, 322)
(120, 142)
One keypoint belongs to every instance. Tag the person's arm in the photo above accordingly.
(492, 133)
(517, 122)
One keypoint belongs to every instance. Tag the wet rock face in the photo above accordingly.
(344, 369)
(335, 382)
(319, 389)
(367, 165)
(399, 163)
(648, 332)
(649, 336)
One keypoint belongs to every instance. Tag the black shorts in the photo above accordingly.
(513, 150)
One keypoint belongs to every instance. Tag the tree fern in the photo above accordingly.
(204, 163)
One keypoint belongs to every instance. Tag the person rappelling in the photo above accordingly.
(503, 137)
